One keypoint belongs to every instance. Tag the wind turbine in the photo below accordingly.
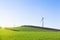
(42, 21)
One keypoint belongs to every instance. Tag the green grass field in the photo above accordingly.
(6, 34)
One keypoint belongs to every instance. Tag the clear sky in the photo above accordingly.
(30, 12)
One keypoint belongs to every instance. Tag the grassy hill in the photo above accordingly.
(28, 33)
(32, 28)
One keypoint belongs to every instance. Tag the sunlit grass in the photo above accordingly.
(6, 34)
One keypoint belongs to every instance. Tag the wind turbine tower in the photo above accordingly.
(42, 21)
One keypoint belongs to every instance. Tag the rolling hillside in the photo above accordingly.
(27, 32)
(24, 35)
(32, 28)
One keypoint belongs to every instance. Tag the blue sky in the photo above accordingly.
(30, 12)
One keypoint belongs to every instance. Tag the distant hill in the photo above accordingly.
(32, 28)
